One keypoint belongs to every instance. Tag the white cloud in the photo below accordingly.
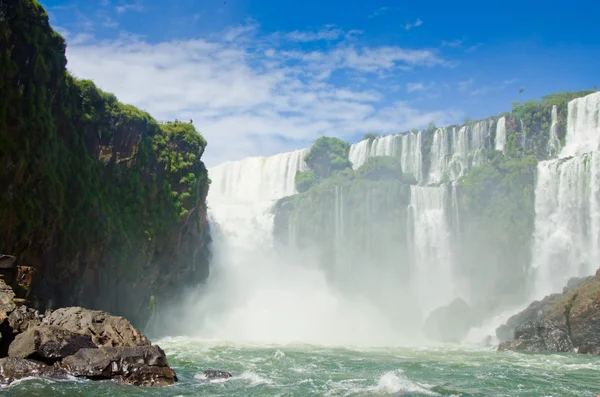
(250, 97)
(453, 43)
(110, 23)
(415, 24)
(464, 85)
(134, 6)
(378, 12)
(493, 87)
(327, 33)
(413, 87)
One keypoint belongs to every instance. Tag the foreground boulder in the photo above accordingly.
(140, 365)
(74, 341)
(564, 322)
(12, 369)
(48, 343)
(105, 330)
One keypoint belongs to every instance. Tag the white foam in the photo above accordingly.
(394, 382)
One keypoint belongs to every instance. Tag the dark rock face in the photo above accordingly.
(216, 374)
(23, 318)
(65, 343)
(48, 344)
(7, 304)
(140, 365)
(559, 323)
(12, 369)
(535, 336)
(450, 323)
(105, 330)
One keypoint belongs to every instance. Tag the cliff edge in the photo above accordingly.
(100, 205)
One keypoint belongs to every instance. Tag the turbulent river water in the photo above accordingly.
(304, 370)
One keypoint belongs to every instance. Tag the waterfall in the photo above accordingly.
(432, 256)
(456, 149)
(338, 230)
(258, 294)
(440, 155)
(359, 153)
(500, 140)
(553, 141)
(567, 204)
(411, 156)
(257, 178)
(383, 146)
(362, 151)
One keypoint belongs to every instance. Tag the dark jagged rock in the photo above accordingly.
(558, 323)
(536, 335)
(61, 343)
(105, 330)
(48, 344)
(216, 374)
(140, 366)
(23, 318)
(7, 304)
(12, 369)
(7, 261)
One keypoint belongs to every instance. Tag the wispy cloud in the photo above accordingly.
(125, 6)
(414, 24)
(493, 87)
(419, 86)
(326, 33)
(453, 43)
(249, 96)
(110, 23)
(473, 48)
(464, 85)
(378, 12)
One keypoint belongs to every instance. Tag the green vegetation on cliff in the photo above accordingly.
(96, 191)
(372, 201)
(532, 121)
(497, 221)
(327, 156)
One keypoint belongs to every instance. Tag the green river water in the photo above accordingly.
(303, 370)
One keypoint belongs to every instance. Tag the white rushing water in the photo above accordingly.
(456, 149)
(382, 146)
(405, 146)
(253, 293)
(553, 141)
(567, 225)
(432, 278)
(500, 140)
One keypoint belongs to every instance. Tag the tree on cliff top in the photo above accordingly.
(328, 155)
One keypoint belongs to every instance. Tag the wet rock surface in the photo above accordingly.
(139, 365)
(564, 322)
(105, 330)
(12, 369)
(74, 341)
(48, 344)
(216, 374)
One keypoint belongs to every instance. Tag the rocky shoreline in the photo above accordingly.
(561, 322)
(72, 341)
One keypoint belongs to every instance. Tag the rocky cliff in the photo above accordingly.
(101, 206)
(565, 322)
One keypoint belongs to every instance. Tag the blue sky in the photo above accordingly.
(263, 76)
